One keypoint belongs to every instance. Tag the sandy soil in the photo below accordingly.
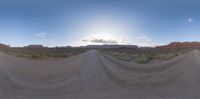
(93, 75)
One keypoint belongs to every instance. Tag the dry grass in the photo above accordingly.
(43, 53)
(145, 55)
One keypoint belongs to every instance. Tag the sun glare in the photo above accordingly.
(105, 29)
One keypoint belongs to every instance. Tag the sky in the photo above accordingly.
(96, 22)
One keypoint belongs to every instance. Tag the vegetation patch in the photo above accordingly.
(142, 59)
(145, 55)
(167, 56)
(43, 53)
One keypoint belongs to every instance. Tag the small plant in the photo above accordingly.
(142, 59)
(35, 57)
(167, 56)
(43, 53)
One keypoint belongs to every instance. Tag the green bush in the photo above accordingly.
(43, 53)
(166, 56)
(142, 59)
(35, 56)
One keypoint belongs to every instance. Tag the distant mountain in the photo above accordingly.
(4, 45)
(34, 46)
(182, 45)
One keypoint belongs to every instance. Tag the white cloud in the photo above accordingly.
(40, 35)
(140, 40)
(110, 41)
(190, 20)
(144, 40)
(102, 41)
(187, 13)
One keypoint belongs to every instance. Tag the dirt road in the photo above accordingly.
(93, 75)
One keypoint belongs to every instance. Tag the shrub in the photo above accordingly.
(142, 59)
(35, 56)
(167, 56)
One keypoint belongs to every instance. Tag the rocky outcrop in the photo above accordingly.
(182, 45)
(4, 46)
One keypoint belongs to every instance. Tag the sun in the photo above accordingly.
(107, 28)
(104, 30)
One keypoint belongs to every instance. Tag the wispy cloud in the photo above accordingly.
(144, 40)
(141, 40)
(41, 35)
(188, 18)
(102, 41)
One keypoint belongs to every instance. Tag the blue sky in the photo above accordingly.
(83, 22)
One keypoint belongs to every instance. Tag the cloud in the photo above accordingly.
(187, 13)
(140, 40)
(144, 40)
(85, 40)
(40, 35)
(190, 20)
(102, 41)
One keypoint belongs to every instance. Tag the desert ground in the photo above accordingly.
(95, 74)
